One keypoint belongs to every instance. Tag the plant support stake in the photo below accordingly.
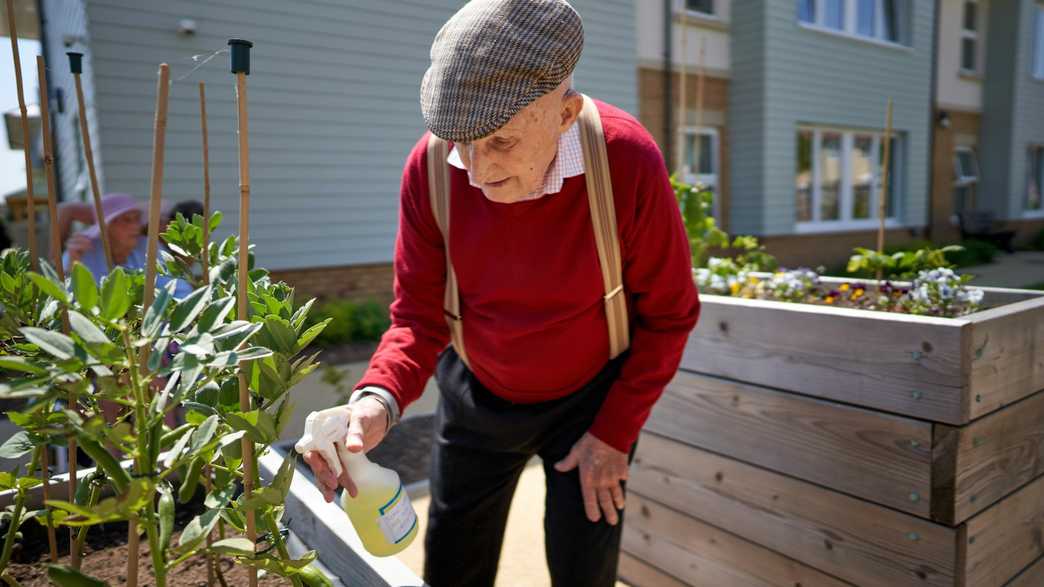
(56, 260)
(240, 57)
(206, 184)
(26, 139)
(881, 199)
(76, 68)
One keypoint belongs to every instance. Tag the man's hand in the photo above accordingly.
(602, 467)
(365, 425)
(77, 245)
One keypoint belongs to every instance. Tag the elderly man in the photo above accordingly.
(538, 231)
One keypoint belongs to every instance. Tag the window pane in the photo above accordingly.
(966, 165)
(834, 14)
(895, 174)
(803, 176)
(968, 54)
(866, 17)
(891, 21)
(705, 6)
(699, 153)
(830, 166)
(1036, 179)
(807, 11)
(705, 155)
(862, 177)
(970, 16)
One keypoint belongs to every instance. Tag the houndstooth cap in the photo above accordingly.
(492, 59)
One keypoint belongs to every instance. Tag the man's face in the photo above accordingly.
(125, 229)
(510, 164)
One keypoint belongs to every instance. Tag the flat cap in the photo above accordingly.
(492, 59)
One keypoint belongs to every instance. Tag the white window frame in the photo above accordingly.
(850, 27)
(710, 180)
(1029, 212)
(972, 35)
(847, 196)
(683, 5)
(961, 180)
(1038, 47)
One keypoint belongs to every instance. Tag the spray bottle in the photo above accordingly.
(381, 511)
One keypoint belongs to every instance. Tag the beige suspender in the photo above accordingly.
(603, 219)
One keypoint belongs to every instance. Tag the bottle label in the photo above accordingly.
(397, 518)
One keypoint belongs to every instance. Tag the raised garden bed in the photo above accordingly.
(812, 445)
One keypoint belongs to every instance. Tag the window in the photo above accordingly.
(874, 19)
(700, 6)
(1035, 183)
(1038, 46)
(700, 149)
(838, 178)
(970, 38)
(966, 179)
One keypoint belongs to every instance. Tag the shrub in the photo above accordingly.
(350, 321)
(975, 252)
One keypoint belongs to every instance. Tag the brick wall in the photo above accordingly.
(963, 131)
(355, 282)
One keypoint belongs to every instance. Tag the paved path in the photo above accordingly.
(1018, 270)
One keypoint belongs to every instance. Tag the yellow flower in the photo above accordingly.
(844, 287)
(735, 287)
(829, 299)
(857, 294)
(752, 280)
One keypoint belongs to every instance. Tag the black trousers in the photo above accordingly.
(482, 443)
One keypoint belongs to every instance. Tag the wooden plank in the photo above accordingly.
(978, 464)
(1007, 355)
(849, 538)
(879, 457)
(635, 572)
(1005, 538)
(1032, 576)
(701, 554)
(909, 365)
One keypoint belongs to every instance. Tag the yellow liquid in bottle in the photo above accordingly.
(381, 512)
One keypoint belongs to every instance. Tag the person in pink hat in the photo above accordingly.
(124, 219)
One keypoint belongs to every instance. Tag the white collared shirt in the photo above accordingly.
(569, 162)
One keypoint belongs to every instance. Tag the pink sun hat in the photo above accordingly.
(116, 205)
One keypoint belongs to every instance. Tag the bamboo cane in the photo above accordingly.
(30, 202)
(56, 260)
(882, 196)
(206, 184)
(205, 260)
(683, 107)
(76, 68)
(240, 55)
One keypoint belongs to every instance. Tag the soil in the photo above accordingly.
(105, 556)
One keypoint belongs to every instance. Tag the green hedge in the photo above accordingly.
(350, 321)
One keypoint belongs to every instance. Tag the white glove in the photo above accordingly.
(325, 432)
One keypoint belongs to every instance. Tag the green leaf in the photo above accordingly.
(197, 529)
(166, 515)
(84, 286)
(282, 337)
(13, 363)
(7, 481)
(49, 287)
(115, 295)
(204, 433)
(234, 546)
(189, 308)
(191, 480)
(83, 326)
(215, 314)
(258, 425)
(66, 576)
(297, 321)
(150, 325)
(309, 335)
(215, 221)
(219, 498)
(285, 476)
(18, 445)
(252, 353)
(55, 343)
(175, 452)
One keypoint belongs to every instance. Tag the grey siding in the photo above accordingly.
(816, 78)
(65, 22)
(1013, 107)
(333, 99)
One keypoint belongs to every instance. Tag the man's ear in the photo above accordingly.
(572, 103)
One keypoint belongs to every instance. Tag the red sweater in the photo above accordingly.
(531, 286)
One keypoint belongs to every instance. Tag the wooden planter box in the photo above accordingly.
(812, 445)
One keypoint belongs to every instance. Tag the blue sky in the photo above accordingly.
(12, 167)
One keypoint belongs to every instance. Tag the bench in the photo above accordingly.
(982, 225)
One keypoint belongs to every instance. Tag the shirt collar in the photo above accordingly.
(569, 162)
